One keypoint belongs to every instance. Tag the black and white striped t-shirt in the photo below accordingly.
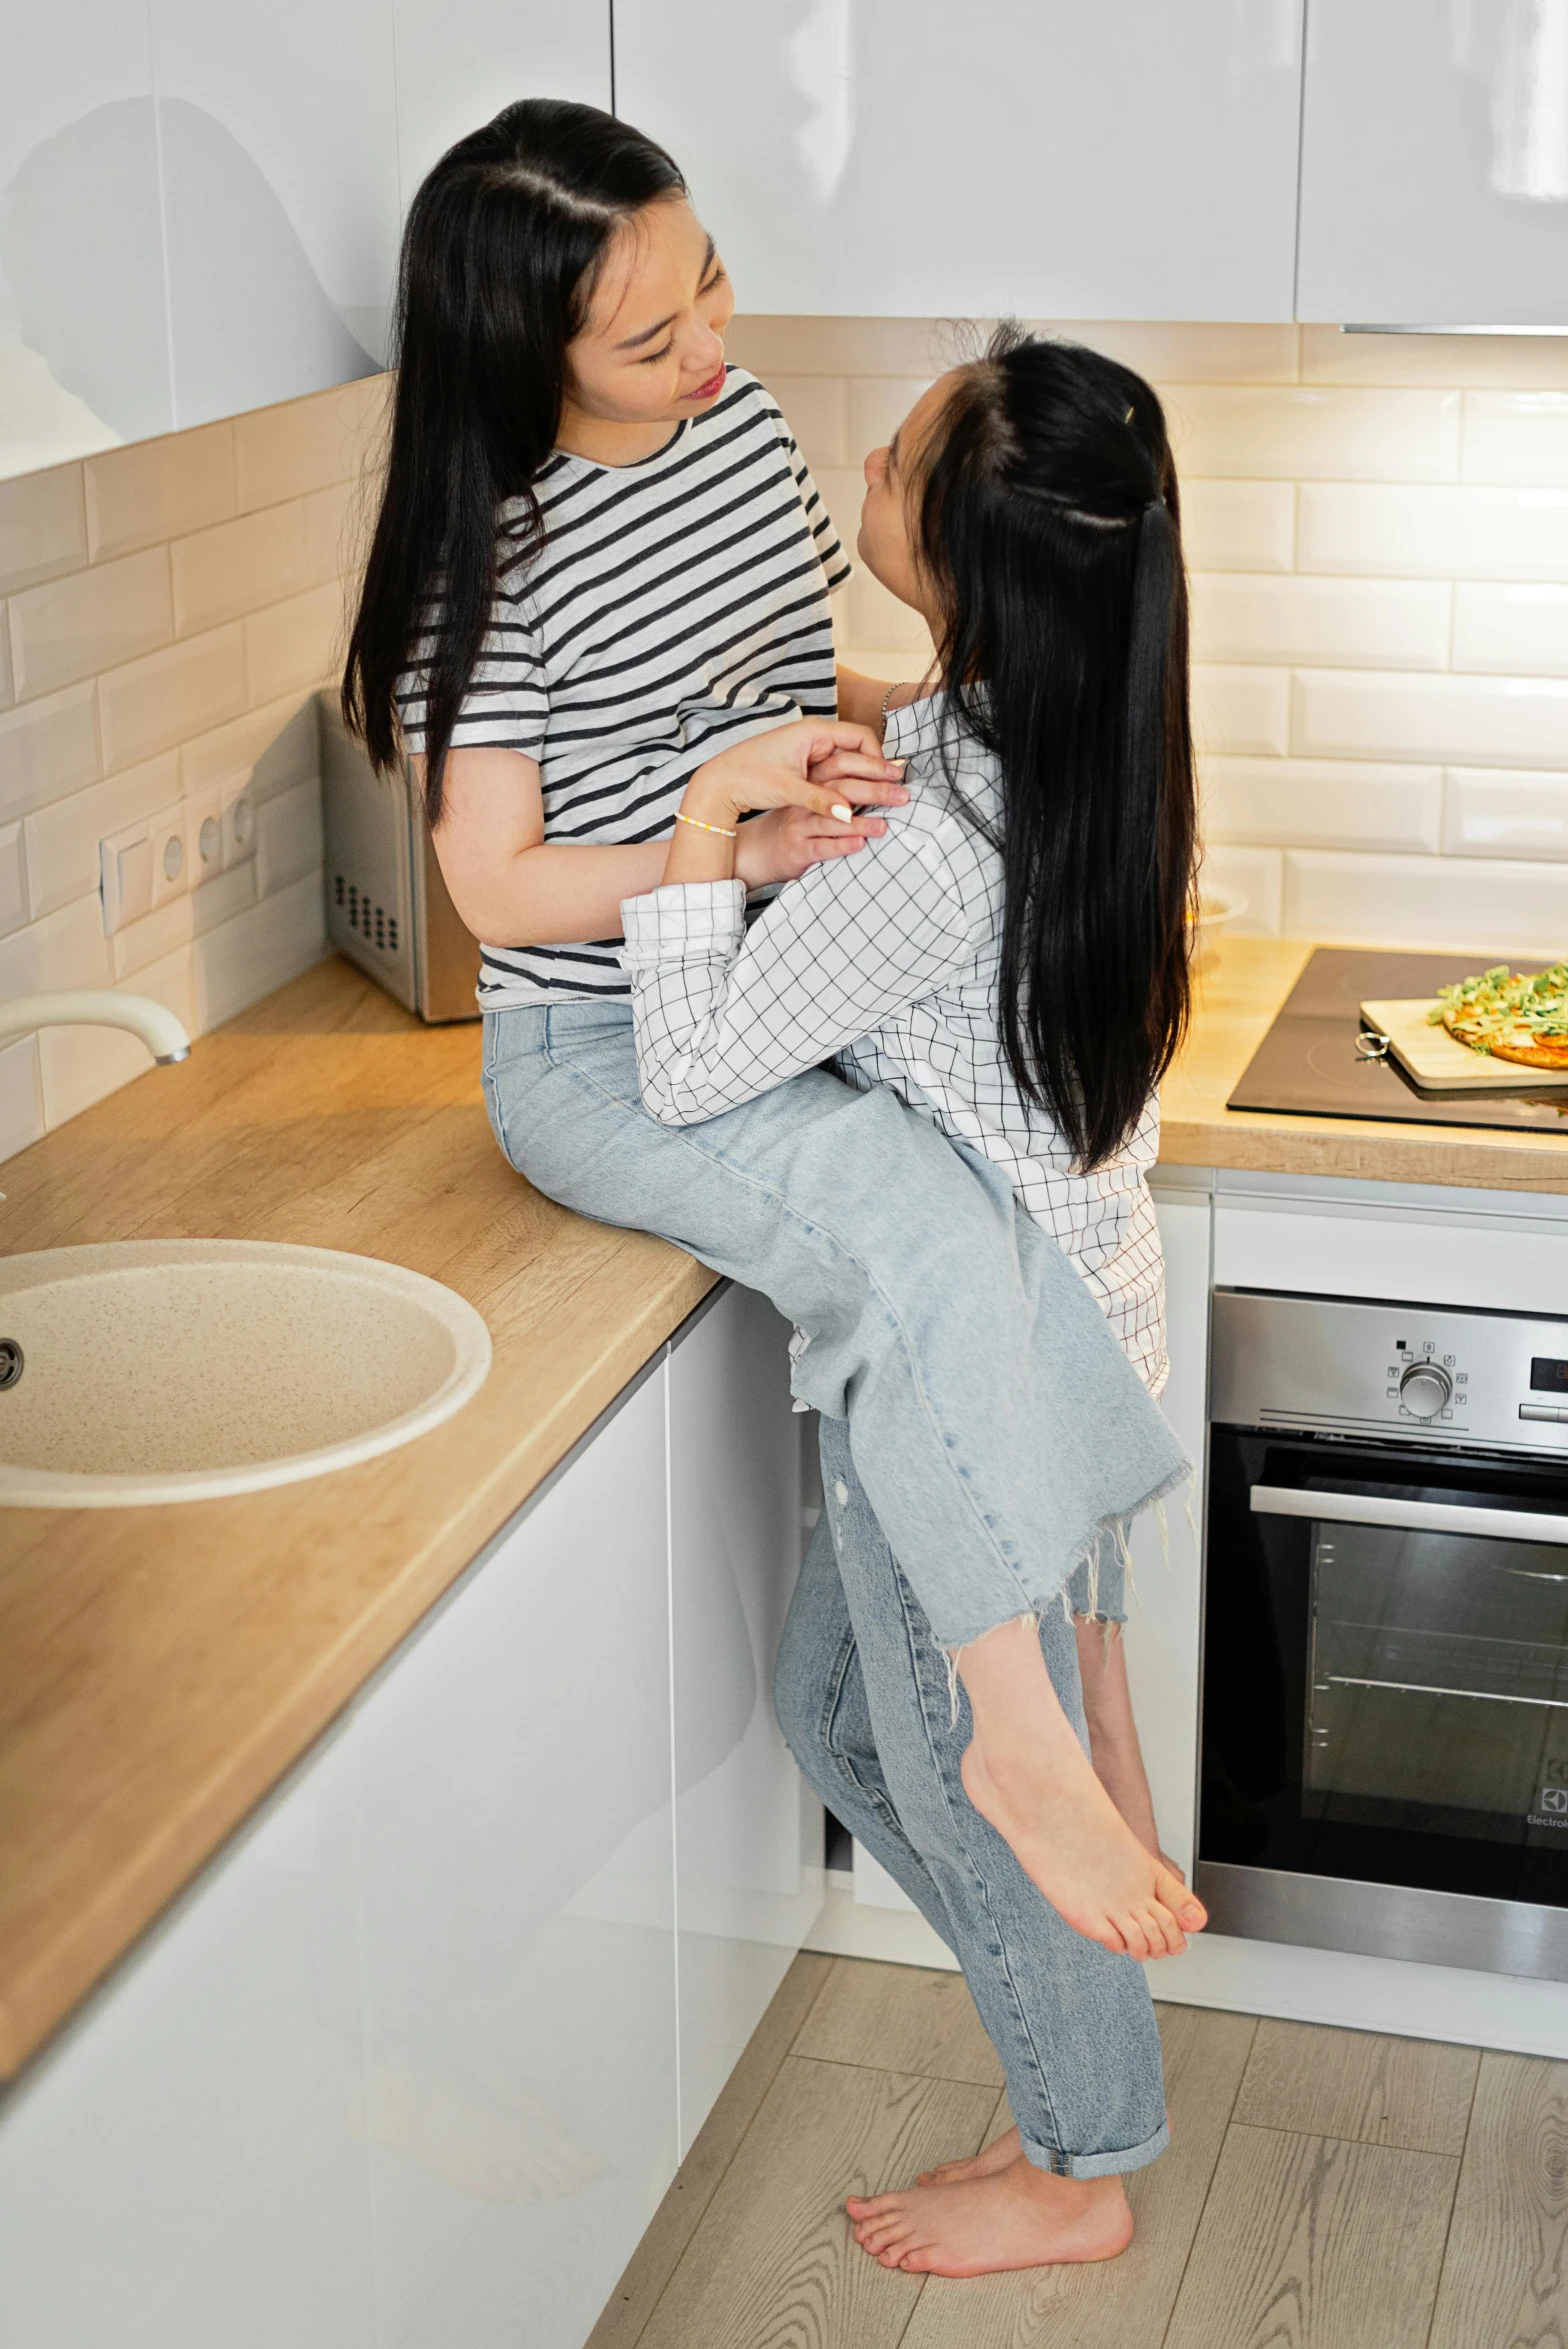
(676, 606)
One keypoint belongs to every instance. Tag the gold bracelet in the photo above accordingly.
(698, 825)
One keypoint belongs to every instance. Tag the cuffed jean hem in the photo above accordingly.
(1096, 2165)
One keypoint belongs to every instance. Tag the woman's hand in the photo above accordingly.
(784, 769)
(788, 841)
(777, 769)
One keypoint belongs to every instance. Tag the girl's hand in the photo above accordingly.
(786, 842)
(776, 770)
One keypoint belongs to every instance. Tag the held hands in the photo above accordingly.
(807, 774)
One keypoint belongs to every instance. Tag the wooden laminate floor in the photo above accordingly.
(1324, 2190)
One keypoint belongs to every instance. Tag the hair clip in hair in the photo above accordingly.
(1127, 419)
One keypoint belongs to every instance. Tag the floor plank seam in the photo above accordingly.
(1453, 2205)
(897, 2071)
(1214, 2171)
(1333, 2137)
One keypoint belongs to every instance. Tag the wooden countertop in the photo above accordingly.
(1240, 988)
(160, 1669)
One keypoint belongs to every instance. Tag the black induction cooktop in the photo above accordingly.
(1306, 1066)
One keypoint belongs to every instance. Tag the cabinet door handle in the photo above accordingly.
(1509, 1525)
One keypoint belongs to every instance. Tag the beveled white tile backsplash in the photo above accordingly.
(167, 612)
(1377, 530)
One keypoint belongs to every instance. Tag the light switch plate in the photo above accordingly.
(125, 876)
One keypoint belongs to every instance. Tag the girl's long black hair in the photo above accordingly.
(502, 247)
(1048, 526)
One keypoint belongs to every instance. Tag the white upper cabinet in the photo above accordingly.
(1046, 158)
(459, 64)
(278, 148)
(1434, 184)
(200, 204)
(84, 326)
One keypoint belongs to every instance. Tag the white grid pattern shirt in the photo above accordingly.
(888, 962)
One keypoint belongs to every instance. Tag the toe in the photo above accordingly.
(1166, 1938)
(1134, 1939)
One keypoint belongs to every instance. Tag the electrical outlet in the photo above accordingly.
(125, 861)
(170, 863)
(204, 836)
(239, 825)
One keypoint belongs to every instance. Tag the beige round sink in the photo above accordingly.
(173, 1370)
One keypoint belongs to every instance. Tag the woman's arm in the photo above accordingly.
(860, 698)
(513, 888)
(722, 1014)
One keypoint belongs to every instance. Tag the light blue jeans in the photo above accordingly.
(983, 1438)
(997, 1427)
(863, 1698)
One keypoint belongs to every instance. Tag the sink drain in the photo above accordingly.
(11, 1359)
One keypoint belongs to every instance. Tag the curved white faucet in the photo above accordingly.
(96, 1007)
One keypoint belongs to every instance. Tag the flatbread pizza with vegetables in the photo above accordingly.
(1508, 1016)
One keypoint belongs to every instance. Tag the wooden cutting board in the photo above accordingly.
(1439, 1064)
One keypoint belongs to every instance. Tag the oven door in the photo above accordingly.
(1385, 1741)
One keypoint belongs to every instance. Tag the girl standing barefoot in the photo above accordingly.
(1009, 955)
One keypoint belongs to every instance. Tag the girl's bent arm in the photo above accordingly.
(722, 1015)
(512, 888)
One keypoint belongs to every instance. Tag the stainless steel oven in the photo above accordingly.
(1385, 1641)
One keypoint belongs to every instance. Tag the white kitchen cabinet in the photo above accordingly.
(1434, 168)
(186, 2167)
(458, 66)
(278, 154)
(404, 2069)
(748, 1836)
(84, 328)
(518, 1918)
(203, 204)
(1038, 157)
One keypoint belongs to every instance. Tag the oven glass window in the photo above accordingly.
(1382, 1704)
(1438, 1684)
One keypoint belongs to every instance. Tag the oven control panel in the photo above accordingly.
(1368, 1367)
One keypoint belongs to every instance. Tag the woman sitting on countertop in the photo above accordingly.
(599, 586)
(1001, 958)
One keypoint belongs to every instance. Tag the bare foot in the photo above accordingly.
(1026, 1773)
(1113, 1732)
(1018, 2217)
(1009, 2147)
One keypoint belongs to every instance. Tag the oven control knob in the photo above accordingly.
(1426, 1389)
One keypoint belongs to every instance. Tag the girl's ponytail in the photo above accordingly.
(1049, 527)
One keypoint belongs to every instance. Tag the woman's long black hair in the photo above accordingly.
(1047, 524)
(502, 247)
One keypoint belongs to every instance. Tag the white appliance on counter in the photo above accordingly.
(387, 904)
